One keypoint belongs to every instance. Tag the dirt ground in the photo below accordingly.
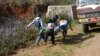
(91, 48)
(90, 44)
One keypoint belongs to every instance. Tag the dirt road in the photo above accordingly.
(90, 45)
(91, 48)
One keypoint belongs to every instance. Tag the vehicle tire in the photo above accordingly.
(86, 28)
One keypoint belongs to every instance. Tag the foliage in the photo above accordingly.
(21, 35)
(45, 19)
(74, 22)
(63, 16)
(63, 2)
(18, 38)
(59, 2)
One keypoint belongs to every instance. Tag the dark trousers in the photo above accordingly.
(64, 31)
(51, 34)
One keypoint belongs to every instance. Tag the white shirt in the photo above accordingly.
(63, 22)
(50, 26)
(37, 18)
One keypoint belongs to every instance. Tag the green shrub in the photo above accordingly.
(63, 16)
(19, 37)
(45, 19)
(72, 22)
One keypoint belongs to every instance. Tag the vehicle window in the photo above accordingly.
(87, 2)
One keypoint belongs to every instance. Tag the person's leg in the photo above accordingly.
(43, 36)
(46, 37)
(52, 37)
(64, 32)
(66, 29)
(39, 38)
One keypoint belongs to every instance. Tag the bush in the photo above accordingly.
(45, 19)
(17, 38)
(72, 22)
(64, 16)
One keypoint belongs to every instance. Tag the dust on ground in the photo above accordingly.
(89, 44)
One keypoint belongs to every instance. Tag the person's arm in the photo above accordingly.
(69, 24)
(30, 23)
(41, 22)
(41, 31)
(70, 27)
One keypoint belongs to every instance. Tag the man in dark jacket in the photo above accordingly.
(50, 26)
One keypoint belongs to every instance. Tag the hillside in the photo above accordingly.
(15, 15)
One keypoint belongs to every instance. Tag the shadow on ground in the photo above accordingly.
(74, 39)
(80, 37)
(96, 30)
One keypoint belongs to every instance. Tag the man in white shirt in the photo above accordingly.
(63, 23)
(37, 21)
(39, 24)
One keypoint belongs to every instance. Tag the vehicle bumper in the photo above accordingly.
(89, 20)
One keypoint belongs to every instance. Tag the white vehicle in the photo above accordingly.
(88, 13)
